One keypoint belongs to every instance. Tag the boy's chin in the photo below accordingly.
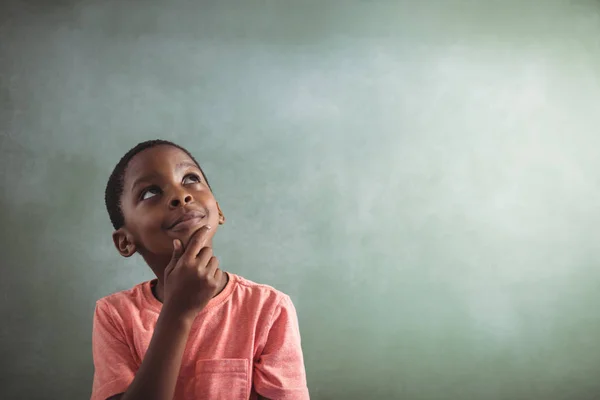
(187, 236)
(165, 245)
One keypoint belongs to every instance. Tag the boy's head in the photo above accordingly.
(157, 193)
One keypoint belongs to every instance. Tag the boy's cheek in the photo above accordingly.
(157, 242)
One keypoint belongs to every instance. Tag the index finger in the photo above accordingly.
(197, 242)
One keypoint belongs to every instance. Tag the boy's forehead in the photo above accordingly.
(155, 160)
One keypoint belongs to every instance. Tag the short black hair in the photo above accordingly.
(114, 186)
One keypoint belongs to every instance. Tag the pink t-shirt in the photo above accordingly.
(245, 341)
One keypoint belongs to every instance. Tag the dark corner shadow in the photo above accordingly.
(46, 309)
(17, 12)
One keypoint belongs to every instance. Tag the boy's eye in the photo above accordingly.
(149, 193)
(191, 178)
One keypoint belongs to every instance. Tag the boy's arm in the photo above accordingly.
(279, 370)
(157, 376)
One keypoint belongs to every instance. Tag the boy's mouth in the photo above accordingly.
(187, 220)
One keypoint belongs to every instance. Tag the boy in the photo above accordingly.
(195, 332)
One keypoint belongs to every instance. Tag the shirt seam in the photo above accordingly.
(111, 321)
(271, 321)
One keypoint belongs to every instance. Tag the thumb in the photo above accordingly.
(177, 252)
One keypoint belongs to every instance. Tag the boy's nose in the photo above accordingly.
(180, 199)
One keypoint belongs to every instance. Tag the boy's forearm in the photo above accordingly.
(157, 376)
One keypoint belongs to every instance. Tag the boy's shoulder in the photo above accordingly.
(133, 296)
(261, 288)
(253, 291)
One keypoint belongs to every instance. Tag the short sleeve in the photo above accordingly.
(279, 370)
(114, 367)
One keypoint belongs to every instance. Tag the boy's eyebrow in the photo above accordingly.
(143, 179)
(149, 177)
(185, 164)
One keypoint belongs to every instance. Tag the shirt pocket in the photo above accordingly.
(223, 379)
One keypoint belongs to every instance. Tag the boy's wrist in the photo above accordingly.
(176, 317)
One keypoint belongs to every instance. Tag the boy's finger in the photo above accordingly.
(197, 242)
(203, 258)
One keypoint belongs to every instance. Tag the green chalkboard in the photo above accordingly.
(422, 178)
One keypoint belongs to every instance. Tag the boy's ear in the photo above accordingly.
(124, 242)
(221, 216)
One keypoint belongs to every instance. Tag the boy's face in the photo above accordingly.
(165, 197)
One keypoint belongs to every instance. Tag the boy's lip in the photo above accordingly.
(187, 218)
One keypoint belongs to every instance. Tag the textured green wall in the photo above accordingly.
(422, 177)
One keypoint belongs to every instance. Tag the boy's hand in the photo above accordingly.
(192, 277)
